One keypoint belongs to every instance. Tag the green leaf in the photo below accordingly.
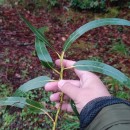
(42, 51)
(43, 54)
(102, 68)
(34, 106)
(32, 84)
(37, 33)
(74, 108)
(13, 101)
(91, 25)
(20, 102)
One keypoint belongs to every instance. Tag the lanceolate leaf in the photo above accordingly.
(43, 54)
(32, 84)
(102, 68)
(37, 33)
(20, 102)
(42, 51)
(91, 25)
(13, 101)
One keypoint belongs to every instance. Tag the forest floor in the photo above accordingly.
(19, 63)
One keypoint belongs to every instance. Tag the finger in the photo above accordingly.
(53, 86)
(65, 107)
(56, 97)
(66, 63)
(69, 89)
(70, 63)
(83, 75)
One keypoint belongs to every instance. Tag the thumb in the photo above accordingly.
(68, 88)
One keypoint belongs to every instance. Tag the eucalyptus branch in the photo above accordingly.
(61, 94)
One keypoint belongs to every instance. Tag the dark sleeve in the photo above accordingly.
(105, 113)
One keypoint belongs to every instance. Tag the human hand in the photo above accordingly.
(81, 91)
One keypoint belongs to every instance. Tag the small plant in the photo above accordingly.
(1, 2)
(120, 48)
(88, 4)
(8, 120)
(102, 5)
(52, 2)
(19, 98)
(4, 90)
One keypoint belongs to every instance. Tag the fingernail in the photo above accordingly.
(46, 86)
(51, 97)
(56, 61)
(61, 83)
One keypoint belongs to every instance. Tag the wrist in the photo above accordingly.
(92, 108)
(84, 101)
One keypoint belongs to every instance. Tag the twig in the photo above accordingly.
(61, 95)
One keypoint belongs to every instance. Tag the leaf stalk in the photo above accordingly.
(43, 111)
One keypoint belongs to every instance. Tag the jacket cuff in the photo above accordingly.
(92, 108)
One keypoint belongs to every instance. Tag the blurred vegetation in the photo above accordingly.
(95, 5)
